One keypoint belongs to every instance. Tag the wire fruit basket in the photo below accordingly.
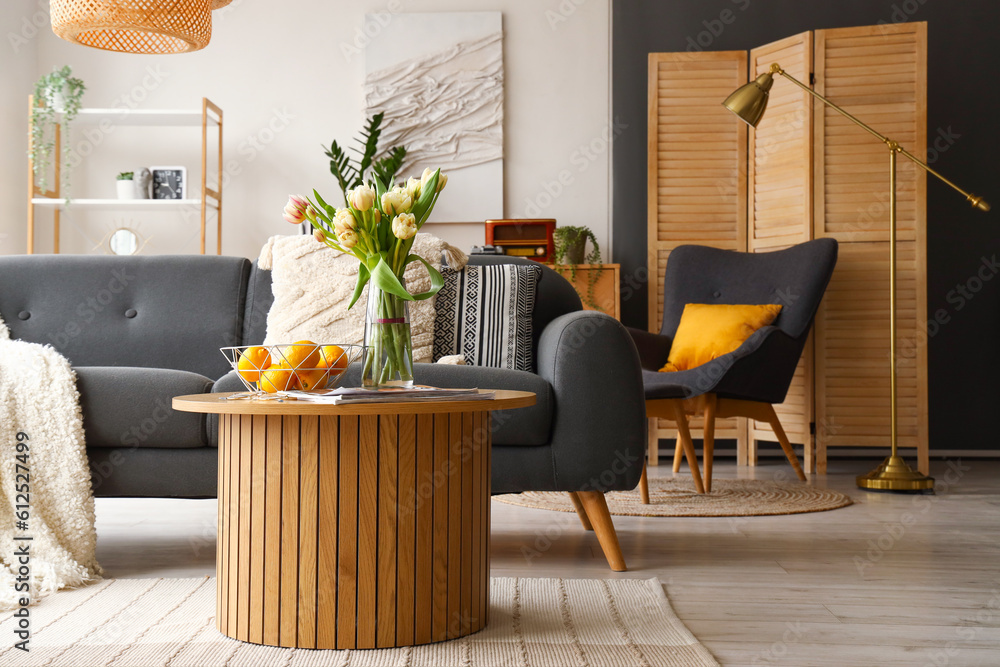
(304, 366)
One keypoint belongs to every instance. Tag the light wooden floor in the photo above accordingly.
(891, 580)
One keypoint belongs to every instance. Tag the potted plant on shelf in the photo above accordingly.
(58, 92)
(125, 184)
(571, 250)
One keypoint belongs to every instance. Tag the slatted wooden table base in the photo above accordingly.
(362, 526)
(354, 531)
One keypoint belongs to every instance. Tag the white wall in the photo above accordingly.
(289, 78)
(18, 63)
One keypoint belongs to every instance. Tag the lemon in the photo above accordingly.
(333, 357)
(310, 380)
(276, 379)
(252, 361)
(301, 355)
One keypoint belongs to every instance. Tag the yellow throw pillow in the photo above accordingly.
(707, 331)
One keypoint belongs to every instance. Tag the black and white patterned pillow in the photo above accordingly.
(484, 313)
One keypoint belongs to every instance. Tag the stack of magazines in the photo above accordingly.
(418, 392)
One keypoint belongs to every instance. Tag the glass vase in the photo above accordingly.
(388, 355)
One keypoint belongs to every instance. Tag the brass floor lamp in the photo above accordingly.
(749, 102)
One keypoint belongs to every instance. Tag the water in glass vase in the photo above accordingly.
(388, 357)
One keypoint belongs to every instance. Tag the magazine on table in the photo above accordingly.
(419, 392)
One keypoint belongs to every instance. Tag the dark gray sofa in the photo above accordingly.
(140, 330)
(144, 329)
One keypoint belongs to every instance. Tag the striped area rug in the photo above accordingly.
(533, 623)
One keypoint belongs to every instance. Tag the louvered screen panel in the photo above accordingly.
(852, 351)
(780, 208)
(780, 212)
(878, 74)
(696, 169)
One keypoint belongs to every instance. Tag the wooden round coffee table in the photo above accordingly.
(353, 526)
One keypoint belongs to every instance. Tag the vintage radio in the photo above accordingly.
(526, 237)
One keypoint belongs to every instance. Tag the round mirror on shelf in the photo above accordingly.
(123, 241)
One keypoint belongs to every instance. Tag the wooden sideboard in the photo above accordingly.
(607, 294)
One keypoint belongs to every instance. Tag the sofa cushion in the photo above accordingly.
(161, 311)
(484, 313)
(130, 407)
(555, 296)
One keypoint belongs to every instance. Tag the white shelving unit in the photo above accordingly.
(210, 198)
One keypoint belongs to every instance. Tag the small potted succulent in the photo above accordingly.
(125, 184)
(571, 250)
(57, 92)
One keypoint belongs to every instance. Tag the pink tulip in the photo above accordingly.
(320, 236)
(295, 209)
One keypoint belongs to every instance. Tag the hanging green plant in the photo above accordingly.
(56, 93)
(353, 173)
(570, 251)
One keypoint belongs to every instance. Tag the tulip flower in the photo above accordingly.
(396, 201)
(295, 209)
(413, 188)
(347, 239)
(344, 220)
(404, 226)
(361, 198)
(319, 236)
(428, 173)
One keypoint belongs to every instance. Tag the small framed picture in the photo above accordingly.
(169, 182)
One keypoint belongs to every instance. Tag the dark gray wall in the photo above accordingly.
(962, 72)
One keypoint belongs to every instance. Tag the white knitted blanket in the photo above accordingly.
(313, 284)
(40, 408)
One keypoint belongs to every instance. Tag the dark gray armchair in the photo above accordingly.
(747, 381)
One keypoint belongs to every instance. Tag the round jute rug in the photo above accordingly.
(677, 497)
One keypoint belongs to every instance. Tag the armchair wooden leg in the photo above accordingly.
(708, 447)
(678, 455)
(582, 513)
(644, 486)
(772, 419)
(684, 436)
(600, 518)
(653, 447)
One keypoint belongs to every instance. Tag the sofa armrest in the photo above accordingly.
(599, 429)
(653, 348)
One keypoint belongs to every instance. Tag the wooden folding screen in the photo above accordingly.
(697, 175)
(879, 74)
(810, 173)
(780, 210)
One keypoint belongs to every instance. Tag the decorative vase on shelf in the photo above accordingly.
(143, 181)
(125, 187)
(388, 356)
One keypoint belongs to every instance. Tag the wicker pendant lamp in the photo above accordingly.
(136, 26)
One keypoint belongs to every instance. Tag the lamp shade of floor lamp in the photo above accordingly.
(749, 103)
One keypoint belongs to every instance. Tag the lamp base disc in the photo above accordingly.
(894, 474)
